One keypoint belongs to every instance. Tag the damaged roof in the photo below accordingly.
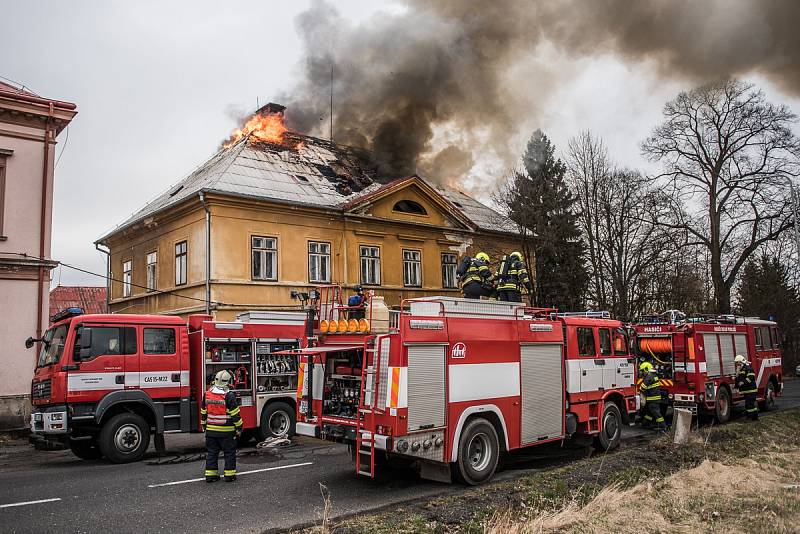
(305, 171)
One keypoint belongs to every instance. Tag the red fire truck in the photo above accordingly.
(694, 358)
(458, 381)
(104, 383)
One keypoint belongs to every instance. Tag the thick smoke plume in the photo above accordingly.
(433, 85)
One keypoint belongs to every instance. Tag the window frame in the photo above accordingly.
(412, 262)
(174, 341)
(151, 266)
(594, 341)
(610, 342)
(319, 256)
(757, 340)
(127, 278)
(415, 209)
(454, 265)
(265, 252)
(766, 340)
(182, 260)
(376, 259)
(122, 338)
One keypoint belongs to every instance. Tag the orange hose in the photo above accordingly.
(656, 344)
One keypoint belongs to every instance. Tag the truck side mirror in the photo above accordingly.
(85, 343)
(29, 342)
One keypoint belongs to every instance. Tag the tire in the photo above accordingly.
(478, 452)
(611, 428)
(723, 406)
(124, 438)
(85, 449)
(277, 421)
(769, 398)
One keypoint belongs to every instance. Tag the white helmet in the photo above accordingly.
(223, 379)
(740, 360)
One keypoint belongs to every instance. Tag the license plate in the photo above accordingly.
(303, 406)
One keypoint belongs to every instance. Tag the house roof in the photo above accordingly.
(91, 298)
(305, 171)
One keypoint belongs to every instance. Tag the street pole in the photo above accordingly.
(794, 215)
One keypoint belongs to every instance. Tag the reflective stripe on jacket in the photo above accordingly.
(515, 277)
(478, 271)
(746, 380)
(220, 411)
(651, 387)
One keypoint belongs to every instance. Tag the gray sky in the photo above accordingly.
(158, 85)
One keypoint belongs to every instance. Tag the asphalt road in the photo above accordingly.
(274, 490)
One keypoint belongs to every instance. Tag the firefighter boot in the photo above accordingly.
(230, 478)
(211, 475)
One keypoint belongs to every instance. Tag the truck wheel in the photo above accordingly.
(769, 398)
(85, 449)
(478, 452)
(610, 430)
(277, 421)
(124, 438)
(722, 408)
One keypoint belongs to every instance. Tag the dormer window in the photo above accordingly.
(409, 206)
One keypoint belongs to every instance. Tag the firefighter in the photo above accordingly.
(746, 384)
(357, 304)
(512, 277)
(476, 277)
(222, 424)
(650, 389)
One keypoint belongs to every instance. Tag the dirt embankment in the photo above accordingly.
(741, 477)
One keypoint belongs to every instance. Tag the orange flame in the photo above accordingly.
(266, 127)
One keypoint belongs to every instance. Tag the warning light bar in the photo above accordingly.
(66, 313)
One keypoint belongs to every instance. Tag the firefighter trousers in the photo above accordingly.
(750, 406)
(225, 443)
(509, 295)
(476, 290)
(653, 414)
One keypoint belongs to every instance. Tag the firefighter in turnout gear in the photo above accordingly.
(746, 384)
(476, 277)
(512, 277)
(222, 424)
(650, 389)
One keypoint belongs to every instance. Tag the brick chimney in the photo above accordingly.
(271, 109)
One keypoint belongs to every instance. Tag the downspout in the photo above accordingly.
(108, 275)
(42, 223)
(208, 252)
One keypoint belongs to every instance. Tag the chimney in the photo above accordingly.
(271, 109)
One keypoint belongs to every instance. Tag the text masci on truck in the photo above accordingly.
(457, 381)
(104, 384)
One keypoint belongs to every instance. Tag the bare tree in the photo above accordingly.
(727, 153)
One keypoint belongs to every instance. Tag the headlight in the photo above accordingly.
(55, 416)
(701, 397)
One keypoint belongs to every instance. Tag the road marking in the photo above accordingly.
(26, 503)
(237, 474)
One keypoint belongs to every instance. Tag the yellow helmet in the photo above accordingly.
(645, 367)
(482, 256)
(740, 359)
(517, 255)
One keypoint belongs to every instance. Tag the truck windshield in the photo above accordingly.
(52, 345)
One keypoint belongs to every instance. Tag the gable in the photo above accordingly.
(411, 203)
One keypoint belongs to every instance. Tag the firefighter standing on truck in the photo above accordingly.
(476, 277)
(512, 277)
(650, 389)
(746, 384)
(222, 424)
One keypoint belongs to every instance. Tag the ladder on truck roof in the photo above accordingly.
(365, 444)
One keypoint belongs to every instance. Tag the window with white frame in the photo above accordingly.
(265, 257)
(412, 268)
(126, 278)
(152, 269)
(370, 265)
(449, 266)
(180, 263)
(319, 262)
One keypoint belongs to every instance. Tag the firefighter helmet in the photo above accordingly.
(482, 256)
(517, 255)
(740, 360)
(223, 378)
(645, 367)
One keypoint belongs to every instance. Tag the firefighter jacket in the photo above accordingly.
(651, 387)
(478, 271)
(513, 276)
(746, 380)
(219, 414)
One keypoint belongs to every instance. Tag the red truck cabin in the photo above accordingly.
(461, 380)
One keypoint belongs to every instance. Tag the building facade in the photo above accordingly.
(261, 220)
(29, 125)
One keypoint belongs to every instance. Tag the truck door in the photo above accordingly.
(159, 366)
(591, 366)
(102, 351)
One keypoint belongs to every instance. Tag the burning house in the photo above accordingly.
(274, 211)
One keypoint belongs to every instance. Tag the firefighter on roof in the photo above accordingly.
(512, 277)
(222, 424)
(746, 384)
(650, 389)
(476, 277)
(356, 303)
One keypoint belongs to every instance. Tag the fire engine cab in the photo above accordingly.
(454, 382)
(694, 358)
(104, 383)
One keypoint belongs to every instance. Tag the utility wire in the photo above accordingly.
(150, 292)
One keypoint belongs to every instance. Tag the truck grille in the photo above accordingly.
(41, 390)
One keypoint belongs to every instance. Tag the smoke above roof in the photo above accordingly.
(430, 87)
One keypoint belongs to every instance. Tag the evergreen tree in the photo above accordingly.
(765, 292)
(541, 204)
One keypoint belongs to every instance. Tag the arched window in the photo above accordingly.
(409, 206)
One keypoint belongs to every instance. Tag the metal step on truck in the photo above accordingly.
(104, 384)
(455, 382)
